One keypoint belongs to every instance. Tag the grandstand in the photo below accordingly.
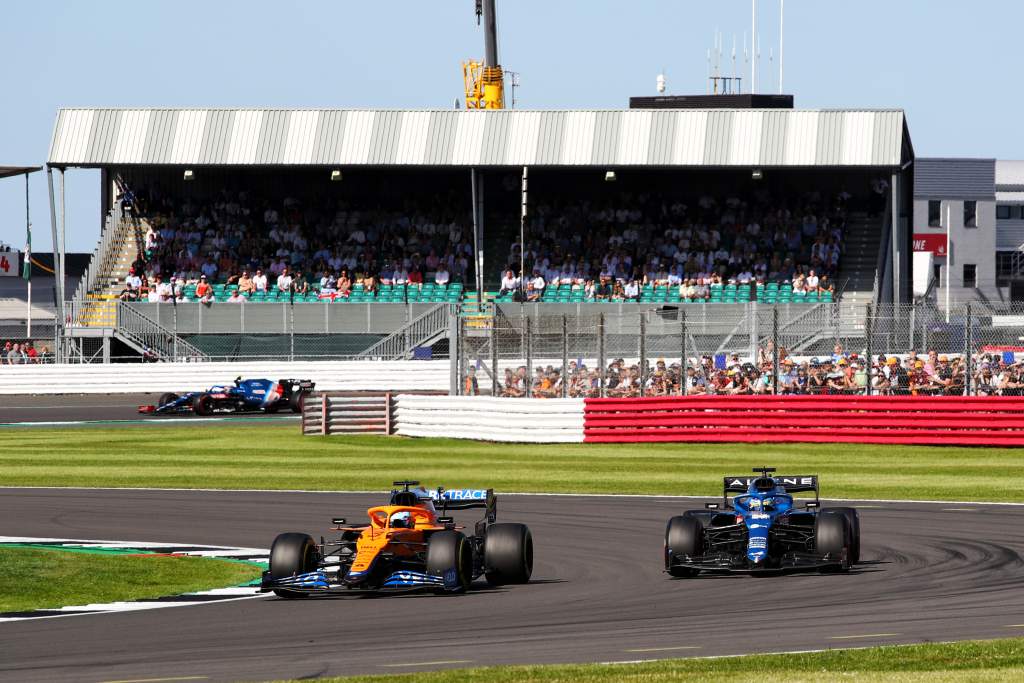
(711, 206)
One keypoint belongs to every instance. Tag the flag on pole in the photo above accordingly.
(26, 268)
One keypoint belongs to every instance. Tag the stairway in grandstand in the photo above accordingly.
(97, 293)
(477, 311)
(859, 261)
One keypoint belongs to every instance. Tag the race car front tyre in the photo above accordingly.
(296, 401)
(832, 536)
(290, 555)
(508, 554)
(684, 535)
(202, 405)
(853, 522)
(166, 398)
(450, 556)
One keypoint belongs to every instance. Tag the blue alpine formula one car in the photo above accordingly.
(244, 396)
(762, 529)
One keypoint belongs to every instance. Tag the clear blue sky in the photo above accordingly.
(954, 66)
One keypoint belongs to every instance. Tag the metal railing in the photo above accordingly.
(421, 330)
(145, 333)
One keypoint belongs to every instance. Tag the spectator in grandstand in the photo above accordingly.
(259, 282)
(535, 287)
(204, 292)
(300, 285)
(344, 284)
(236, 297)
(284, 280)
(441, 275)
(246, 287)
(509, 283)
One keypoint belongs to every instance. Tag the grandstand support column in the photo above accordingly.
(682, 351)
(775, 349)
(58, 348)
(476, 180)
(968, 347)
(643, 354)
(106, 349)
(600, 354)
(565, 355)
(63, 238)
(894, 235)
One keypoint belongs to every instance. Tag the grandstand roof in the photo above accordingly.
(606, 138)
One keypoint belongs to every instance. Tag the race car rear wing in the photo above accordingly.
(792, 483)
(466, 499)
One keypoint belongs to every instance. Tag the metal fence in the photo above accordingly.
(842, 348)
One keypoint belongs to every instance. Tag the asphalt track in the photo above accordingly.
(72, 408)
(931, 572)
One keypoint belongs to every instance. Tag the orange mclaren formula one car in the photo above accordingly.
(410, 544)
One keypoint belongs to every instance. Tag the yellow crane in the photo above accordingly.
(485, 81)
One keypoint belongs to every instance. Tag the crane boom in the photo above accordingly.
(485, 81)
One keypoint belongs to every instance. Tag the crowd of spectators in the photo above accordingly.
(612, 248)
(841, 373)
(264, 246)
(24, 353)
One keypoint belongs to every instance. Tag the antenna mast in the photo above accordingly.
(753, 46)
(782, 40)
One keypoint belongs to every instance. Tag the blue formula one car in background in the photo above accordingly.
(763, 530)
(244, 396)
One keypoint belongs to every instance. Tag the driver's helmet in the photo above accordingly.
(768, 503)
(401, 520)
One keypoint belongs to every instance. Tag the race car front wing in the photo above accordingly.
(726, 563)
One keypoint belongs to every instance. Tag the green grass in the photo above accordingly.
(994, 660)
(38, 578)
(278, 457)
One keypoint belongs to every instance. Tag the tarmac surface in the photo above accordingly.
(929, 572)
(83, 408)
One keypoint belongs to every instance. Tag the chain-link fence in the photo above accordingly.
(842, 348)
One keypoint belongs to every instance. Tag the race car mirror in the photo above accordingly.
(711, 506)
(338, 520)
(812, 504)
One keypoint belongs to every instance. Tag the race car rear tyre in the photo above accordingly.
(832, 536)
(508, 554)
(202, 405)
(272, 407)
(684, 535)
(290, 555)
(296, 401)
(853, 522)
(166, 398)
(450, 555)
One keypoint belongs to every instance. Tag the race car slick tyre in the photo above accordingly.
(832, 535)
(508, 554)
(684, 535)
(853, 522)
(272, 407)
(296, 401)
(449, 555)
(202, 405)
(166, 398)
(292, 554)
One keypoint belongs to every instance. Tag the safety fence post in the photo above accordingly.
(600, 354)
(643, 354)
(775, 348)
(565, 355)
(968, 348)
(494, 356)
(529, 358)
(387, 413)
(868, 331)
(682, 352)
